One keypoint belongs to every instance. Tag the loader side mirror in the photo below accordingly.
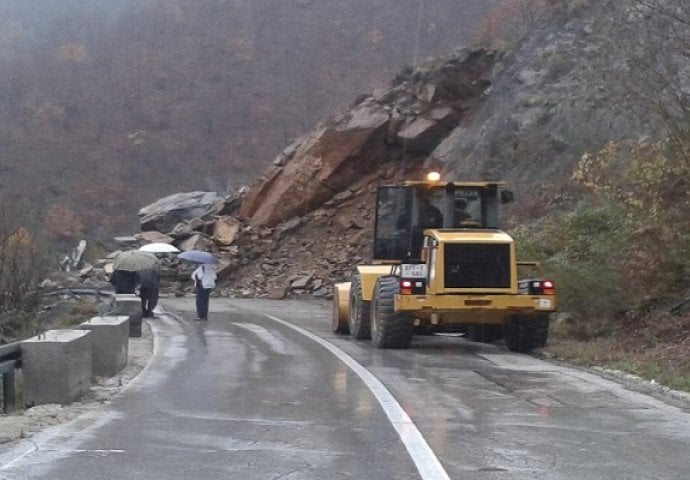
(507, 196)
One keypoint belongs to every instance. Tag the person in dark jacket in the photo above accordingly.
(124, 281)
(149, 284)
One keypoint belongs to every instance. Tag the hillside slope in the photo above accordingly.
(526, 116)
(536, 116)
(106, 106)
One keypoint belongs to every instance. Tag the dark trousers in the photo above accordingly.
(149, 300)
(202, 296)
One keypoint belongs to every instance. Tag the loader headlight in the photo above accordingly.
(433, 177)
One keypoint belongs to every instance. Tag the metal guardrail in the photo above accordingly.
(10, 360)
(98, 292)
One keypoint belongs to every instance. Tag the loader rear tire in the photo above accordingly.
(523, 334)
(389, 329)
(358, 319)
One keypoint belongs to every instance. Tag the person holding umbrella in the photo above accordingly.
(204, 281)
(149, 281)
(204, 278)
(124, 281)
(125, 266)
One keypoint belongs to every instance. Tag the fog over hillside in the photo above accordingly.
(106, 106)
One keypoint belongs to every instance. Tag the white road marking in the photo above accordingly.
(276, 345)
(422, 455)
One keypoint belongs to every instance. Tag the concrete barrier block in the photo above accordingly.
(127, 304)
(109, 344)
(56, 366)
(130, 305)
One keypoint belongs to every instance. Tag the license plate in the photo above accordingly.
(413, 270)
(544, 303)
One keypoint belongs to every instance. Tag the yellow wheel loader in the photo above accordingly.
(443, 264)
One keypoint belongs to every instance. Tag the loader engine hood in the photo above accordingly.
(471, 261)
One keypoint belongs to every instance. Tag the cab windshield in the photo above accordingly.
(404, 212)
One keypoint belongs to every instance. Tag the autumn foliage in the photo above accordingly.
(621, 248)
(62, 223)
(22, 261)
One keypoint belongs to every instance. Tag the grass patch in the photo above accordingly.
(644, 353)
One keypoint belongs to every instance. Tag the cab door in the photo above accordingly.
(393, 227)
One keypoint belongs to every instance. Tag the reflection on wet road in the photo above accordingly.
(489, 413)
(265, 390)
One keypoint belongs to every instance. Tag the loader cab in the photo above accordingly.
(403, 212)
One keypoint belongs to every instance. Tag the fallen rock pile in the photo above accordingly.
(304, 255)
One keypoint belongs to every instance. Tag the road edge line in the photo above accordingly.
(424, 458)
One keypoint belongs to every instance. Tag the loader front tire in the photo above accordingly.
(389, 329)
(358, 319)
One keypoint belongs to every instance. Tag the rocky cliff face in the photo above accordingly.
(525, 116)
(554, 97)
(402, 124)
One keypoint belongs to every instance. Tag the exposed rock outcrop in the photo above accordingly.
(404, 123)
(164, 214)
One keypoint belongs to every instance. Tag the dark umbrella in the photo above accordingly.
(197, 256)
(134, 260)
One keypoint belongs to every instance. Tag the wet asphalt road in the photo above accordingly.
(245, 396)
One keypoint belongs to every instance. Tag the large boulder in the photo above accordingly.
(225, 230)
(152, 236)
(403, 124)
(164, 214)
(323, 163)
(196, 242)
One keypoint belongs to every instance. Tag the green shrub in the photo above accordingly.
(580, 250)
(623, 250)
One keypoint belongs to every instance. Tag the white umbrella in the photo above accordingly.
(159, 247)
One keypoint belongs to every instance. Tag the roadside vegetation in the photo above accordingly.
(618, 245)
(23, 265)
(615, 235)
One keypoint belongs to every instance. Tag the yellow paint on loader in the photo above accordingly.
(341, 294)
(443, 276)
(369, 274)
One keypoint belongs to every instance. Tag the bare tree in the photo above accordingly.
(22, 257)
(651, 40)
